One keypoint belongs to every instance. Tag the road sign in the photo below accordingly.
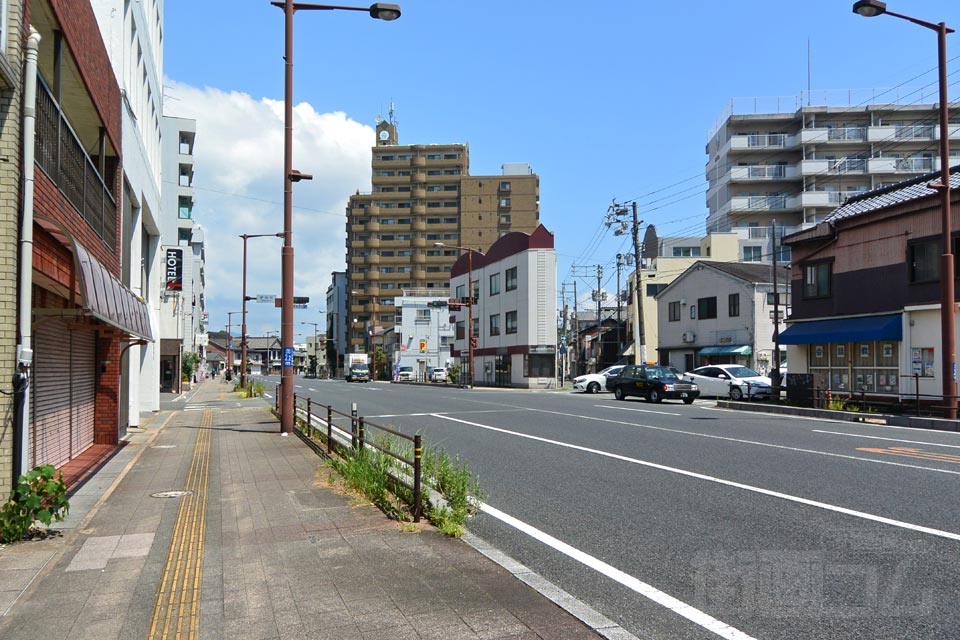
(299, 306)
(288, 356)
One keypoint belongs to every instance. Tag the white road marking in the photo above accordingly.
(737, 485)
(679, 607)
(312, 389)
(267, 395)
(431, 413)
(857, 435)
(610, 406)
(753, 442)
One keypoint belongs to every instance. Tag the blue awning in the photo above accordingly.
(742, 350)
(868, 329)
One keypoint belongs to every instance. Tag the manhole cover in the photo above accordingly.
(171, 494)
(163, 446)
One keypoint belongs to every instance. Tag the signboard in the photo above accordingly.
(288, 356)
(299, 306)
(202, 339)
(266, 297)
(173, 268)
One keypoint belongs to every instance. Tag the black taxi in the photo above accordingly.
(653, 382)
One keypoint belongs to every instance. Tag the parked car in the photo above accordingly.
(405, 374)
(653, 382)
(595, 382)
(730, 380)
(438, 375)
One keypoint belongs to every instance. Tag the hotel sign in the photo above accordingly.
(173, 268)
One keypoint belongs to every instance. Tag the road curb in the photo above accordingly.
(577, 608)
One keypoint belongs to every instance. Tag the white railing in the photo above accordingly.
(914, 131)
(914, 165)
(847, 133)
(763, 140)
(848, 165)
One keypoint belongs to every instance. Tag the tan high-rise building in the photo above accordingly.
(423, 194)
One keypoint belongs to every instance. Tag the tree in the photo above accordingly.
(312, 367)
(190, 362)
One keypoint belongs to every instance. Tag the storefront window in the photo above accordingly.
(869, 367)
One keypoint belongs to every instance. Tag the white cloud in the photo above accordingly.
(238, 168)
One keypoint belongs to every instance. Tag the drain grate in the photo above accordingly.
(171, 494)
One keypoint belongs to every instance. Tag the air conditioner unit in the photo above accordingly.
(688, 336)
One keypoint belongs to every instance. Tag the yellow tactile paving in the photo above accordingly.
(177, 611)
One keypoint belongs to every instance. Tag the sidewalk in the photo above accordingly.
(262, 548)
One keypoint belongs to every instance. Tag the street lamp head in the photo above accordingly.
(439, 244)
(384, 11)
(869, 8)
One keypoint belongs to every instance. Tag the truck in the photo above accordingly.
(358, 368)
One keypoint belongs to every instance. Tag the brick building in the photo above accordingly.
(83, 317)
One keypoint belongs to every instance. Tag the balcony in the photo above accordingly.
(764, 172)
(903, 165)
(762, 141)
(824, 198)
(823, 166)
(741, 204)
(821, 135)
(61, 155)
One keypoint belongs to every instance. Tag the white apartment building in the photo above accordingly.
(133, 36)
(515, 314)
(798, 163)
(183, 316)
(423, 331)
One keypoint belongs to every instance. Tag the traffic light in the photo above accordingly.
(301, 299)
(438, 303)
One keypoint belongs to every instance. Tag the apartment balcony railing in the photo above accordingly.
(914, 165)
(767, 140)
(847, 133)
(848, 165)
(764, 203)
(915, 131)
(62, 157)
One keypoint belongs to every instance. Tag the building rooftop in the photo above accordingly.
(905, 191)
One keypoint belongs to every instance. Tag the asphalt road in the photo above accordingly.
(693, 522)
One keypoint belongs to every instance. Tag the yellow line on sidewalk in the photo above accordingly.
(177, 610)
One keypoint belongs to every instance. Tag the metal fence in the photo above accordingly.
(359, 440)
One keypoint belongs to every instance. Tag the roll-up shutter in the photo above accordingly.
(63, 393)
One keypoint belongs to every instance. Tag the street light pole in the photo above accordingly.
(230, 315)
(315, 358)
(470, 336)
(869, 9)
(243, 325)
(381, 11)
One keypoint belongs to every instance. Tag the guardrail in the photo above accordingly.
(359, 441)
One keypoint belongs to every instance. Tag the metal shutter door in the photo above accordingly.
(83, 374)
(63, 393)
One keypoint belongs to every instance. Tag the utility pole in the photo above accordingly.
(566, 342)
(576, 326)
(596, 363)
(619, 305)
(775, 378)
(616, 216)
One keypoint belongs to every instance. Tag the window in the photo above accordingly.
(707, 307)
(686, 252)
(674, 312)
(752, 254)
(505, 218)
(423, 316)
(511, 278)
(495, 324)
(494, 284)
(505, 185)
(539, 365)
(693, 312)
(461, 291)
(654, 289)
(461, 330)
(504, 202)
(923, 261)
(185, 206)
(733, 305)
(476, 327)
(510, 320)
(816, 279)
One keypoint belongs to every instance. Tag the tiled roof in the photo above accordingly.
(751, 272)
(905, 191)
(262, 344)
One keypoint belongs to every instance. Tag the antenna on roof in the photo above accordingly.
(390, 113)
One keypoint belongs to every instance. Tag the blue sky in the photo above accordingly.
(611, 99)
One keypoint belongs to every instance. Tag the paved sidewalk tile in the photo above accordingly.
(276, 552)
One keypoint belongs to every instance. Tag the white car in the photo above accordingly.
(405, 374)
(595, 382)
(438, 375)
(729, 380)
